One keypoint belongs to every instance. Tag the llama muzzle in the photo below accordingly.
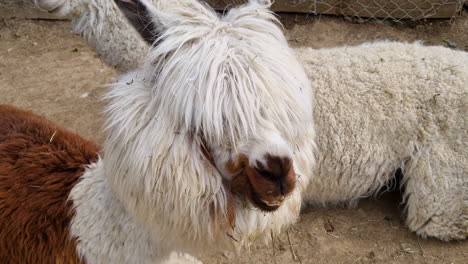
(267, 184)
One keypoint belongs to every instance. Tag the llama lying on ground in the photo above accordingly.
(386, 107)
(380, 108)
(203, 146)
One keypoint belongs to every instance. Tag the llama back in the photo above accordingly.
(40, 163)
(390, 103)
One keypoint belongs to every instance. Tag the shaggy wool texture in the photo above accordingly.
(40, 163)
(386, 106)
(208, 111)
(379, 108)
(186, 89)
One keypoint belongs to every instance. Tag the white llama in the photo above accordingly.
(380, 108)
(203, 143)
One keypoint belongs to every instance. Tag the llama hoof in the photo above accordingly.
(182, 258)
(58, 7)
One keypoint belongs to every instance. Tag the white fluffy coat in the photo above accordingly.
(386, 106)
(153, 191)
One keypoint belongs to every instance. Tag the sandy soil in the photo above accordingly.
(45, 68)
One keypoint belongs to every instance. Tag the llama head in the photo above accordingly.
(232, 87)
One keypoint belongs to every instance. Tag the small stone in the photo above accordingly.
(228, 254)
(281, 247)
(328, 226)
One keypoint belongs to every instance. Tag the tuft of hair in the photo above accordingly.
(219, 65)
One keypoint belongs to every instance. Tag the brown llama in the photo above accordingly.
(40, 162)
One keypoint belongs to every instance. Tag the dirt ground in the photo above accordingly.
(47, 69)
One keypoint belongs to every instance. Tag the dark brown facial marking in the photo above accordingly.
(266, 185)
(277, 170)
(235, 166)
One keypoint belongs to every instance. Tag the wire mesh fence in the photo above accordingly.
(362, 10)
(11, 3)
(365, 10)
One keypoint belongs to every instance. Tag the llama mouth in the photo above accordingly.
(249, 192)
(257, 202)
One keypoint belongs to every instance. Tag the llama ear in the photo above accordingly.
(143, 17)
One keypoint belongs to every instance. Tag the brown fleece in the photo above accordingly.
(230, 205)
(40, 163)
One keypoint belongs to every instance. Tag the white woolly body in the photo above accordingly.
(212, 79)
(385, 106)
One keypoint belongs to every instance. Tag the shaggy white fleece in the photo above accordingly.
(385, 106)
(153, 191)
(379, 107)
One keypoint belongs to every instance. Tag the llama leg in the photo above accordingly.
(104, 27)
(437, 194)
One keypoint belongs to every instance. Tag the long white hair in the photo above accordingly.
(227, 85)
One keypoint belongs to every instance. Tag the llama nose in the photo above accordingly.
(271, 180)
(275, 168)
(280, 183)
(278, 171)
